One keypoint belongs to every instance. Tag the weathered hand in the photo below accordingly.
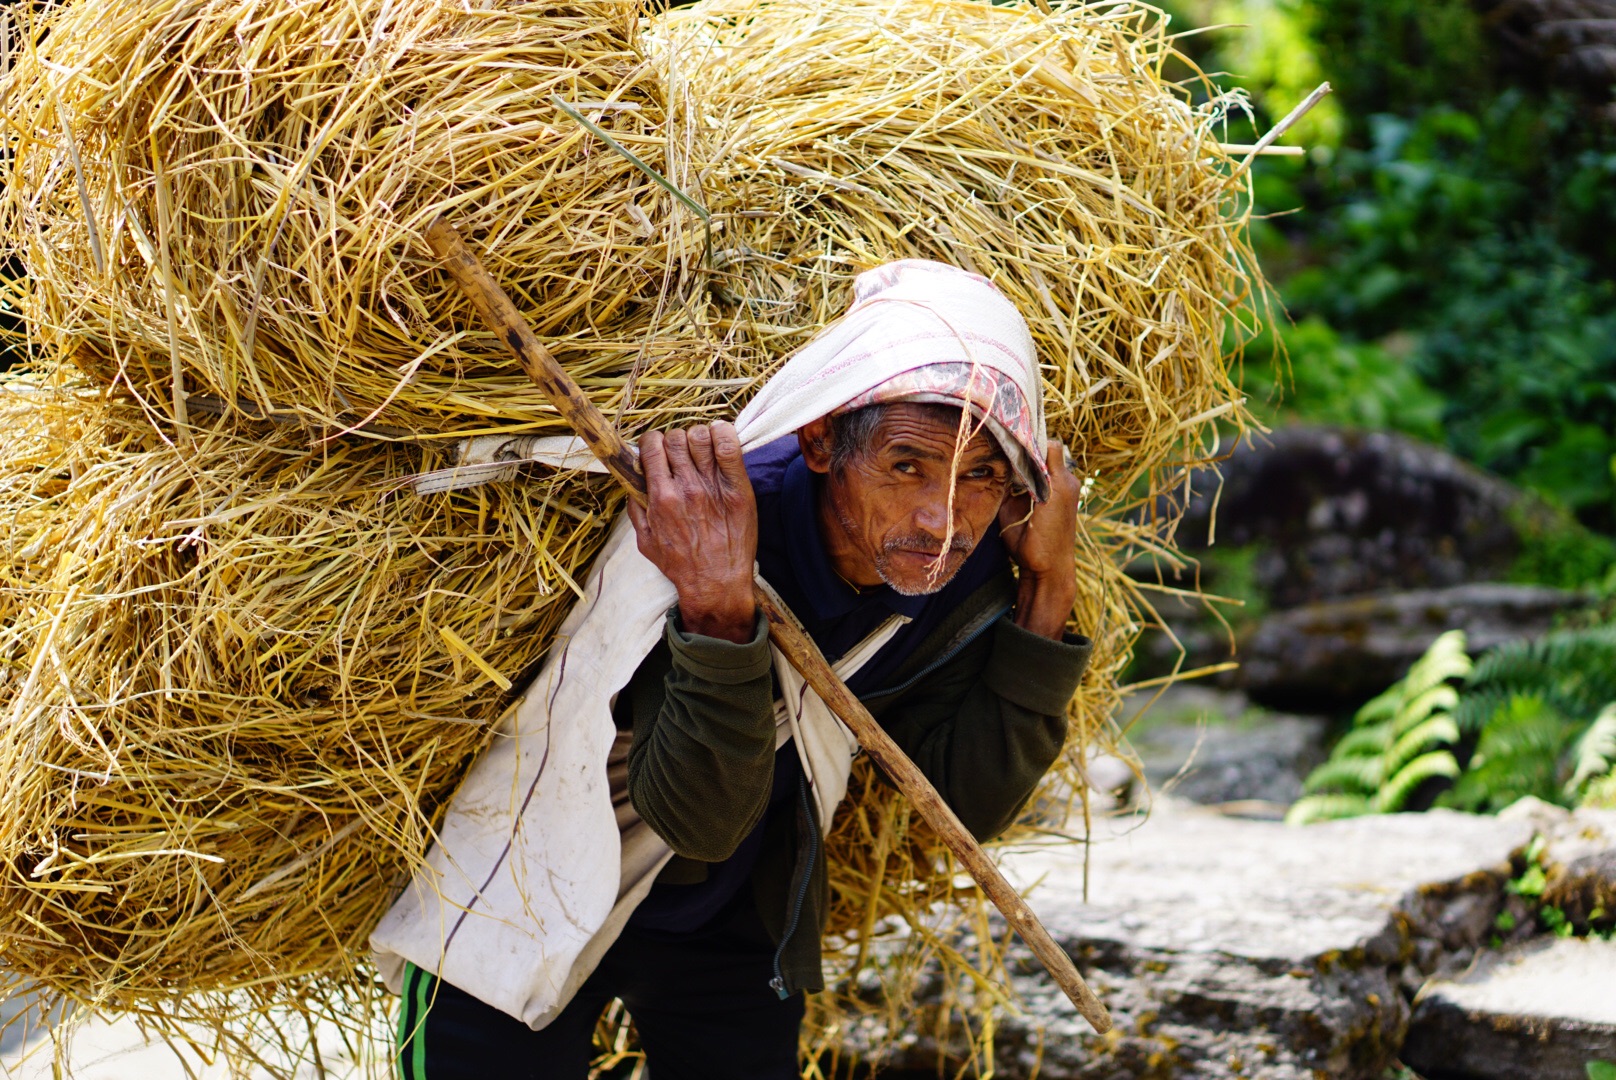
(699, 526)
(1040, 537)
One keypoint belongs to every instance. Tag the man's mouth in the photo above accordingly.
(929, 556)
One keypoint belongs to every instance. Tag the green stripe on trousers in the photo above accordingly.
(412, 1023)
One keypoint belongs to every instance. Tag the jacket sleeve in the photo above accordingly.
(701, 762)
(988, 723)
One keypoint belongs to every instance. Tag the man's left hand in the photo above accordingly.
(1041, 537)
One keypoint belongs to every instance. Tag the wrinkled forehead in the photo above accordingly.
(933, 430)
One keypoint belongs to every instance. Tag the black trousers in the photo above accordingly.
(701, 1003)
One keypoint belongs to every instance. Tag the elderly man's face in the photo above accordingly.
(885, 513)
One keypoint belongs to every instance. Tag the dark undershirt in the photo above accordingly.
(792, 558)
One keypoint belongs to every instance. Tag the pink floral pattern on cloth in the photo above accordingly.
(994, 399)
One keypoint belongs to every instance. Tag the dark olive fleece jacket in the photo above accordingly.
(979, 706)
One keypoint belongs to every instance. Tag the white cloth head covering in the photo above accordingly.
(927, 332)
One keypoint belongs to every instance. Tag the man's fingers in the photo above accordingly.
(701, 449)
(731, 463)
(677, 443)
(1062, 478)
(636, 514)
(653, 459)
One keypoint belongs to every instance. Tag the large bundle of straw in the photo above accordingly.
(238, 679)
(241, 674)
(229, 195)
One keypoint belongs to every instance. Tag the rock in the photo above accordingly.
(1343, 513)
(1231, 948)
(1344, 652)
(1538, 1011)
(1212, 747)
(1580, 852)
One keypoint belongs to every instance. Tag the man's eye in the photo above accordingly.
(906, 467)
(982, 472)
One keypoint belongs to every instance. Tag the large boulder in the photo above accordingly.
(1343, 652)
(1232, 948)
(1342, 513)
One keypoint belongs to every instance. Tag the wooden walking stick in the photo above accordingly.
(607, 445)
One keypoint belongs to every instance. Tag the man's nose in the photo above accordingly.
(931, 517)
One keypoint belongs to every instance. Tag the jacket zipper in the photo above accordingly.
(778, 983)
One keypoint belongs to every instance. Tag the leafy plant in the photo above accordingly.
(1535, 717)
(1593, 776)
(1559, 551)
(1331, 380)
(1518, 754)
(1572, 671)
(1601, 1070)
(1453, 234)
(1541, 719)
(1397, 742)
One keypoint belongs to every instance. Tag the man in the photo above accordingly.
(889, 525)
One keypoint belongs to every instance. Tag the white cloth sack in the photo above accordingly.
(535, 870)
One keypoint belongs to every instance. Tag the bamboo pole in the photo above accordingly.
(607, 445)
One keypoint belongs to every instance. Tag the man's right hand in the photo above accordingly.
(699, 526)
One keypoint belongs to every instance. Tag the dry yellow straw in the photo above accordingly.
(239, 679)
(258, 176)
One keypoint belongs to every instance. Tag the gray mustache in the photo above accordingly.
(929, 546)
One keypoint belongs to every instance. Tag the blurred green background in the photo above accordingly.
(1446, 251)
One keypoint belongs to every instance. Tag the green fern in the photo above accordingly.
(1531, 710)
(1594, 757)
(1519, 754)
(1313, 808)
(1398, 741)
(1572, 670)
(1355, 774)
(1395, 792)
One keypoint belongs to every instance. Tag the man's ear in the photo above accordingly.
(815, 440)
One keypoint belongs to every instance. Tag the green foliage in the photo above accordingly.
(1559, 551)
(1542, 719)
(1572, 671)
(1451, 274)
(1272, 55)
(1402, 54)
(1532, 717)
(1398, 741)
(1601, 1070)
(1353, 384)
(1518, 755)
(1593, 758)
(1486, 257)
(1529, 884)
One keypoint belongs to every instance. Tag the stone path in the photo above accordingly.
(1247, 949)
(1236, 949)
